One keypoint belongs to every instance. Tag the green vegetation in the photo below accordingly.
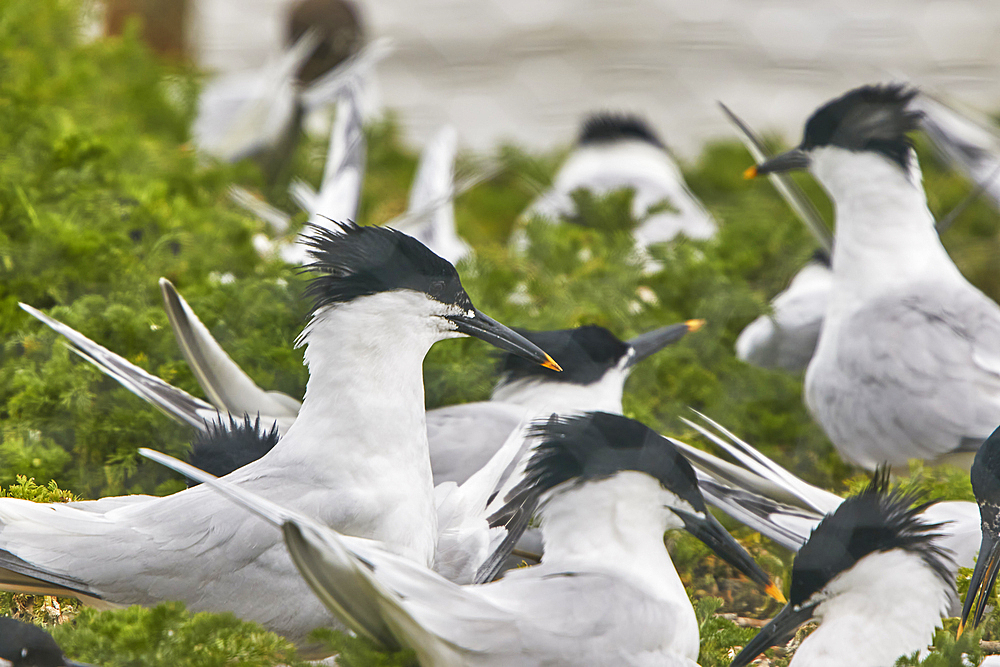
(100, 196)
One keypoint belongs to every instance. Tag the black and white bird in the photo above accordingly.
(908, 361)
(606, 593)
(986, 485)
(356, 460)
(872, 576)
(618, 151)
(25, 645)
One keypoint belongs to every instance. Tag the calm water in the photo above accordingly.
(528, 70)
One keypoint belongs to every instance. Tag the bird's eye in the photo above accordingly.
(437, 287)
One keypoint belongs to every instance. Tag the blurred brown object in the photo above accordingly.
(163, 23)
(340, 27)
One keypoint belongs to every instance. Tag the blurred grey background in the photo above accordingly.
(528, 70)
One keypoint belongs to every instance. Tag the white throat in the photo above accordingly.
(563, 397)
(885, 234)
(886, 606)
(361, 430)
(616, 526)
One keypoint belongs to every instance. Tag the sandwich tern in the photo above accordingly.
(614, 152)
(873, 577)
(908, 360)
(25, 645)
(606, 593)
(381, 299)
(986, 485)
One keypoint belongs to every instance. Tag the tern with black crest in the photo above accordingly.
(381, 299)
(908, 360)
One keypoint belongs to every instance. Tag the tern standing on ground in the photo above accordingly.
(908, 361)
(356, 459)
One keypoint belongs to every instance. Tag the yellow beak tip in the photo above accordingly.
(551, 363)
(775, 593)
(694, 325)
(961, 629)
(751, 172)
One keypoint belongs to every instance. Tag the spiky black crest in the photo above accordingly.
(585, 354)
(876, 520)
(985, 475)
(596, 445)
(24, 644)
(607, 127)
(355, 261)
(223, 447)
(869, 118)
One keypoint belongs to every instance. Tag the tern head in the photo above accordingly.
(576, 450)
(588, 353)
(393, 272)
(985, 475)
(875, 521)
(608, 128)
(24, 645)
(228, 444)
(867, 120)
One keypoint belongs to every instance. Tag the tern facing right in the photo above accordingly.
(606, 592)
(381, 301)
(908, 361)
(872, 577)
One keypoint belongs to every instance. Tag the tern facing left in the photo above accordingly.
(872, 577)
(606, 592)
(908, 361)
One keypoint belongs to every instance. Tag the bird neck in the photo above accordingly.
(886, 606)
(546, 395)
(885, 234)
(611, 525)
(361, 431)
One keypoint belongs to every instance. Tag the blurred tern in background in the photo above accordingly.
(873, 577)
(381, 300)
(615, 152)
(908, 361)
(606, 593)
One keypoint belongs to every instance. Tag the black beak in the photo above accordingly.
(486, 328)
(73, 663)
(711, 532)
(788, 161)
(781, 628)
(983, 579)
(651, 342)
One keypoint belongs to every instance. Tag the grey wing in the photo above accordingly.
(556, 617)
(463, 437)
(173, 402)
(910, 375)
(228, 387)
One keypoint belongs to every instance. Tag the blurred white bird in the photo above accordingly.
(908, 361)
(430, 215)
(606, 593)
(615, 152)
(381, 300)
(873, 578)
